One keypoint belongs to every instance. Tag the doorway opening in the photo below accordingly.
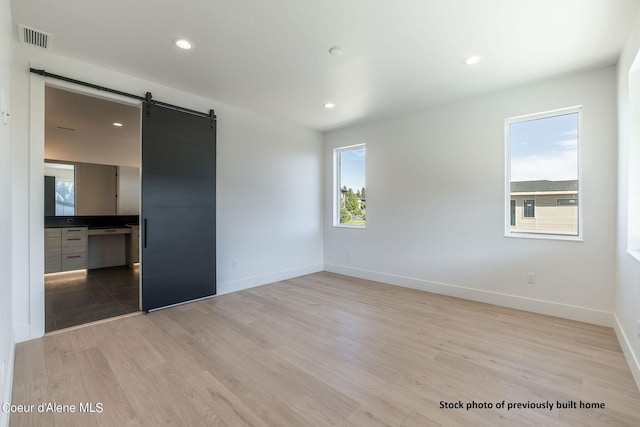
(92, 206)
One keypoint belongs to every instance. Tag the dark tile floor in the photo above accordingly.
(80, 297)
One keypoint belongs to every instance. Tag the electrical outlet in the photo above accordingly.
(234, 264)
(348, 253)
(638, 328)
(531, 278)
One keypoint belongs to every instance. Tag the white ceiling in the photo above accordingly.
(272, 56)
(94, 117)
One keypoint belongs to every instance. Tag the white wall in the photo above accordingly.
(627, 302)
(6, 284)
(128, 190)
(86, 147)
(269, 204)
(435, 203)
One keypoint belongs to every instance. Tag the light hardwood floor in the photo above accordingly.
(327, 350)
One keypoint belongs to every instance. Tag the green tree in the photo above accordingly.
(351, 202)
(345, 216)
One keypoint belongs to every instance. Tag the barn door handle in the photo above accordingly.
(145, 233)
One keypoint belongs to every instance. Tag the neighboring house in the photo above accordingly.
(549, 207)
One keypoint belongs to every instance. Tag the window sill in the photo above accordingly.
(634, 254)
(545, 237)
(361, 227)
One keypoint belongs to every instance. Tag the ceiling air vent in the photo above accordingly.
(35, 37)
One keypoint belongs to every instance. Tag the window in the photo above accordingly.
(542, 175)
(350, 203)
(633, 166)
(529, 209)
(566, 202)
(60, 192)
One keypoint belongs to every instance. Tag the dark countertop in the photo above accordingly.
(91, 221)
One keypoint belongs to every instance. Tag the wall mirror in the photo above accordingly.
(91, 155)
(76, 188)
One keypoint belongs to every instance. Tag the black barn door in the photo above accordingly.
(178, 221)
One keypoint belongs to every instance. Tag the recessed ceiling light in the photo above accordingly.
(473, 60)
(329, 105)
(336, 51)
(116, 124)
(183, 44)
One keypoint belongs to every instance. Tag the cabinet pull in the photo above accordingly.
(110, 231)
(74, 238)
(145, 232)
(74, 256)
(73, 231)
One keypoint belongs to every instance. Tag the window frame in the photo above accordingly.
(337, 184)
(507, 164)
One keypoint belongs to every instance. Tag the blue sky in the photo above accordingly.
(352, 168)
(545, 149)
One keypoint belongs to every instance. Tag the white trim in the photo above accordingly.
(507, 174)
(22, 333)
(633, 147)
(566, 311)
(265, 279)
(632, 358)
(634, 254)
(37, 83)
(5, 417)
(544, 114)
(36, 205)
(350, 147)
(525, 235)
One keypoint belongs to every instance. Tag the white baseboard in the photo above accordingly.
(22, 333)
(264, 279)
(8, 385)
(629, 354)
(566, 311)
